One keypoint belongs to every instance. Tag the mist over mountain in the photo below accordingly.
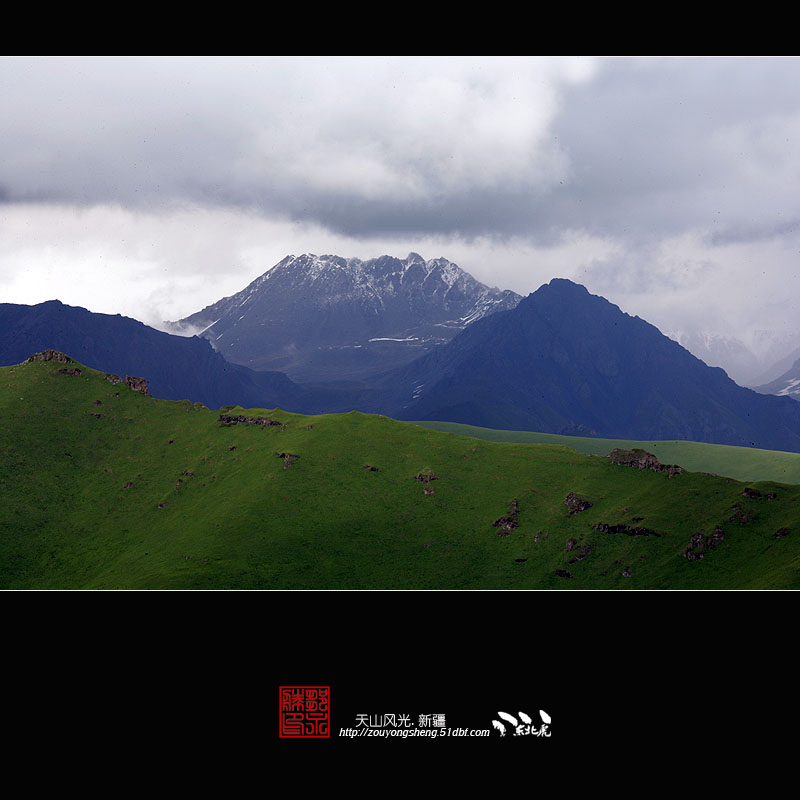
(332, 318)
(717, 350)
(567, 361)
(764, 356)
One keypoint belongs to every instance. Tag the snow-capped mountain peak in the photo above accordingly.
(313, 304)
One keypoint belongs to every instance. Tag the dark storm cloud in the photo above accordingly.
(468, 213)
(747, 233)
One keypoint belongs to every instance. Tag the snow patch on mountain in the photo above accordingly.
(791, 387)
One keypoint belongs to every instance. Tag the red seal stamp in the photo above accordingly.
(304, 712)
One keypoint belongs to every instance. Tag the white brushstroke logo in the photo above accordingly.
(524, 726)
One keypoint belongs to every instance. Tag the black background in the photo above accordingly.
(154, 673)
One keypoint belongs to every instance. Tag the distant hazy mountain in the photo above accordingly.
(787, 385)
(776, 370)
(175, 367)
(566, 361)
(768, 353)
(331, 318)
(718, 350)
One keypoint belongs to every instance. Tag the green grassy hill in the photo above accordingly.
(104, 487)
(742, 463)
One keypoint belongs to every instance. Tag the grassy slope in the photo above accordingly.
(241, 520)
(742, 463)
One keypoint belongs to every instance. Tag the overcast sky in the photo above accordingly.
(152, 187)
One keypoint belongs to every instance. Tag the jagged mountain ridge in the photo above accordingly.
(331, 318)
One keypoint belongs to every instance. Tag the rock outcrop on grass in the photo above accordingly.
(50, 355)
(754, 494)
(581, 553)
(739, 515)
(716, 538)
(699, 544)
(426, 476)
(576, 503)
(137, 384)
(288, 459)
(236, 419)
(641, 459)
(510, 521)
(630, 530)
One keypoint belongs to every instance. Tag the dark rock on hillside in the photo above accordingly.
(641, 459)
(235, 419)
(630, 530)
(288, 458)
(51, 355)
(582, 553)
(716, 538)
(739, 515)
(137, 384)
(576, 503)
(426, 476)
(507, 523)
(696, 548)
(754, 494)
(700, 543)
